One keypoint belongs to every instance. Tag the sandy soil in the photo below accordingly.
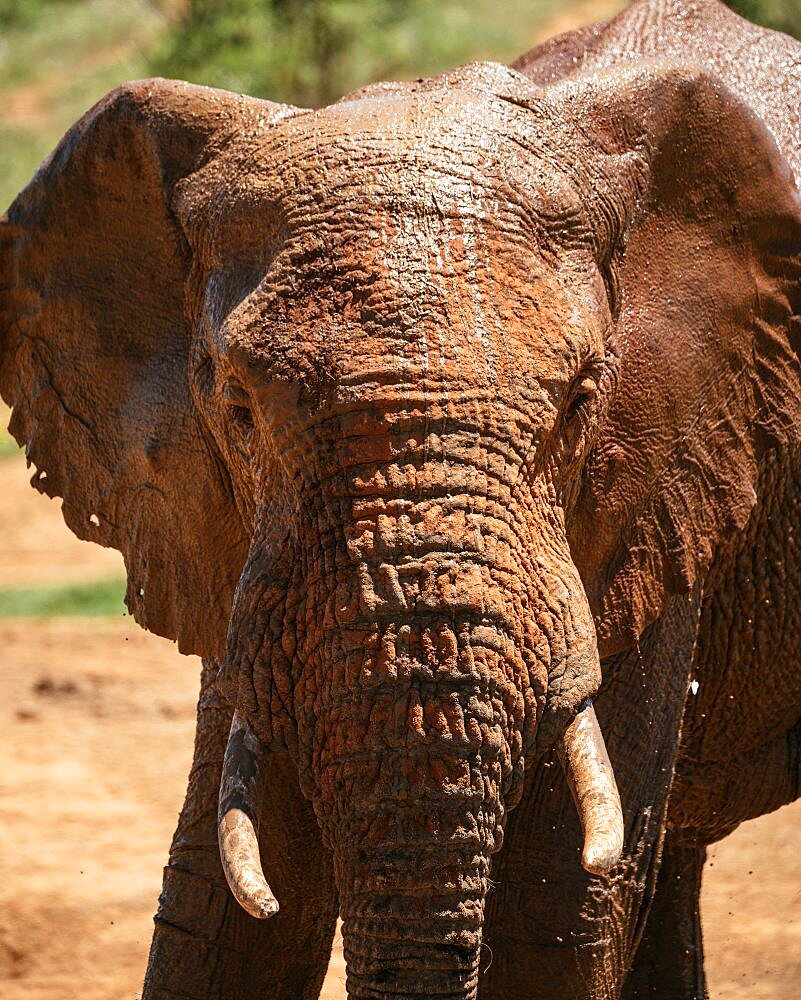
(96, 725)
(35, 545)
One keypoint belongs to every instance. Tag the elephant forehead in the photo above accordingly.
(452, 131)
(397, 240)
(395, 161)
(392, 235)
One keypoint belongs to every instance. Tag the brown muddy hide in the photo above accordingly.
(401, 385)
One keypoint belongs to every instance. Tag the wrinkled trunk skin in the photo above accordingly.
(406, 641)
(415, 809)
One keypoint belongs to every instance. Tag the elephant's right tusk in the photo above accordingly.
(582, 753)
(239, 843)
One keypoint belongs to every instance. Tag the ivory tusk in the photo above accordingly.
(582, 753)
(237, 834)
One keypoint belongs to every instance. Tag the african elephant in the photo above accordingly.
(437, 421)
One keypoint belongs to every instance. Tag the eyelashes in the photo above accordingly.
(239, 420)
(578, 419)
(242, 418)
(581, 396)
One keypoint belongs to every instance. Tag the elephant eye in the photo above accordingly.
(241, 426)
(239, 413)
(242, 416)
(581, 395)
(575, 421)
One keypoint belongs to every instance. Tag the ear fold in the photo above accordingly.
(707, 258)
(94, 346)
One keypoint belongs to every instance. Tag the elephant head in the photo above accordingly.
(408, 411)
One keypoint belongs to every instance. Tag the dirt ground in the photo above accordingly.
(96, 725)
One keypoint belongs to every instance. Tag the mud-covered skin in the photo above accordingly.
(422, 415)
(759, 65)
(549, 923)
(414, 549)
(669, 961)
(204, 944)
(741, 742)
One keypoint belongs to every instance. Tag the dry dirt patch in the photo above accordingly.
(36, 547)
(96, 731)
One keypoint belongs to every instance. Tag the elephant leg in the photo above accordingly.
(669, 962)
(205, 947)
(553, 931)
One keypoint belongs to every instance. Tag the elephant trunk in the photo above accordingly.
(413, 915)
(413, 829)
(418, 657)
(581, 750)
(412, 784)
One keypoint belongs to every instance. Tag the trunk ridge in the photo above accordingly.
(431, 610)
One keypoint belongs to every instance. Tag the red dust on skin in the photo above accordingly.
(434, 400)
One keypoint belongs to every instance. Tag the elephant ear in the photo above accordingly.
(95, 344)
(705, 258)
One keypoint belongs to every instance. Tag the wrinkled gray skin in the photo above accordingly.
(424, 418)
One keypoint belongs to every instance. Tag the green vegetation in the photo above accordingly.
(95, 599)
(781, 15)
(58, 57)
(310, 52)
(8, 446)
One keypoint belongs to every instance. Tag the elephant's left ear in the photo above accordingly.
(95, 348)
(705, 255)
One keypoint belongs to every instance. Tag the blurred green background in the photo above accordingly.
(93, 599)
(57, 57)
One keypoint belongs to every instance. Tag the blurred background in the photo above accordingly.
(97, 716)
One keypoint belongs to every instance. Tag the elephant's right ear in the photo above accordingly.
(95, 346)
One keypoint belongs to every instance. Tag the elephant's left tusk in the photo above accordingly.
(582, 753)
(239, 842)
